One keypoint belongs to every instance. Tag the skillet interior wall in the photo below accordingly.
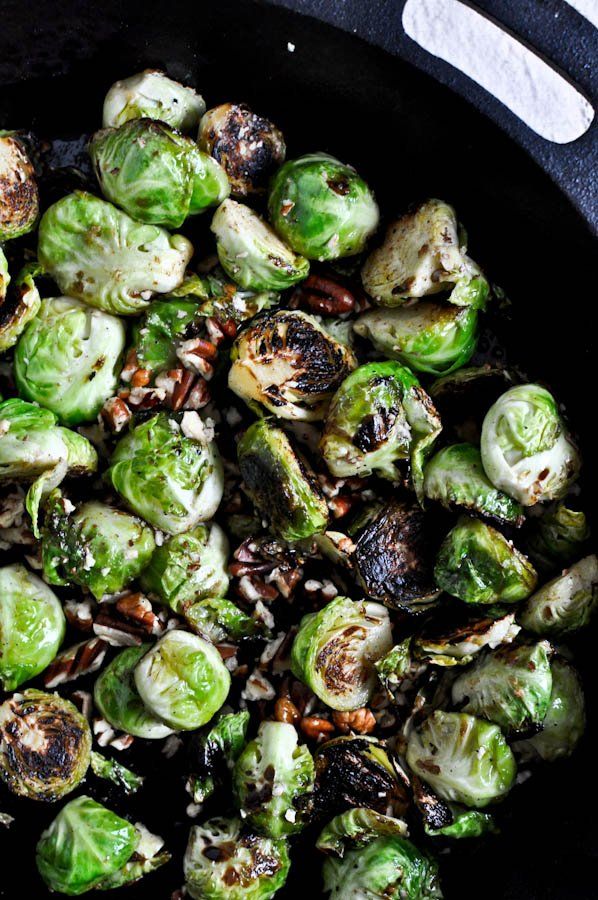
(410, 138)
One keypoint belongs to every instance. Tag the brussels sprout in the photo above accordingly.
(168, 473)
(45, 745)
(270, 776)
(356, 828)
(464, 759)
(424, 253)
(557, 537)
(526, 451)
(280, 482)
(182, 680)
(458, 644)
(428, 337)
(156, 333)
(467, 823)
(155, 174)
(396, 667)
(98, 254)
(286, 361)
(32, 625)
(112, 770)
(566, 603)
(215, 751)
(222, 862)
(390, 867)
(322, 208)
(251, 252)
(335, 650)
(247, 146)
(154, 95)
(95, 546)
(510, 686)
(218, 619)
(20, 305)
(116, 697)
(221, 298)
(19, 197)
(67, 359)
(477, 564)
(456, 478)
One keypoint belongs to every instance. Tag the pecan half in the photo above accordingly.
(361, 721)
(316, 728)
(82, 659)
(323, 296)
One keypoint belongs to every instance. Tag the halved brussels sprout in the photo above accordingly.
(45, 745)
(67, 359)
(182, 680)
(428, 337)
(557, 537)
(526, 451)
(116, 697)
(215, 751)
(356, 828)
(168, 472)
(510, 686)
(223, 862)
(247, 146)
(272, 773)
(335, 650)
(218, 619)
(468, 823)
(19, 197)
(321, 207)
(464, 759)
(458, 644)
(280, 483)
(21, 303)
(98, 254)
(154, 95)
(424, 253)
(155, 174)
(566, 603)
(251, 253)
(455, 476)
(477, 564)
(32, 625)
(286, 361)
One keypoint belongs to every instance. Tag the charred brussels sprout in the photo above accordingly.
(335, 650)
(322, 208)
(457, 645)
(32, 625)
(280, 483)
(154, 95)
(168, 472)
(477, 564)
(19, 197)
(526, 450)
(272, 773)
(287, 362)
(215, 751)
(251, 253)
(356, 828)
(428, 337)
(464, 759)
(67, 359)
(565, 721)
(100, 255)
(557, 537)
(20, 304)
(45, 745)
(224, 862)
(566, 603)
(424, 253)
(247, 146)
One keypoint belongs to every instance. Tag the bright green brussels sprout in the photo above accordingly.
(19, 197)
(67, 359)
(526, 451)
(154, 95)
(215, 751)
(168, 472)
(356, 828)
(112, 770)
(467, 823)
(335, 650)
(218, 619)
(182, 680)
(251, 253)
(396, 666)
(557, 537)
(566, 603)
(464, 759)
(272, 773)
(510, 686)
(280, 483)
(477, 564)
(322, 208)
(286, 361)
(428, 337)
(455, 477)
(458, 643)
(98, 254)
(95, 546)
(21, 303)
(155, 174)
(116, 697)
(45, 745)
(223, 862)
(32, 625)
(424, 253)
(156, 333)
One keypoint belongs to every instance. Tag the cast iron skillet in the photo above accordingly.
(411, 138)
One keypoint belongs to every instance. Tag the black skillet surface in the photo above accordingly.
(411, 137)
